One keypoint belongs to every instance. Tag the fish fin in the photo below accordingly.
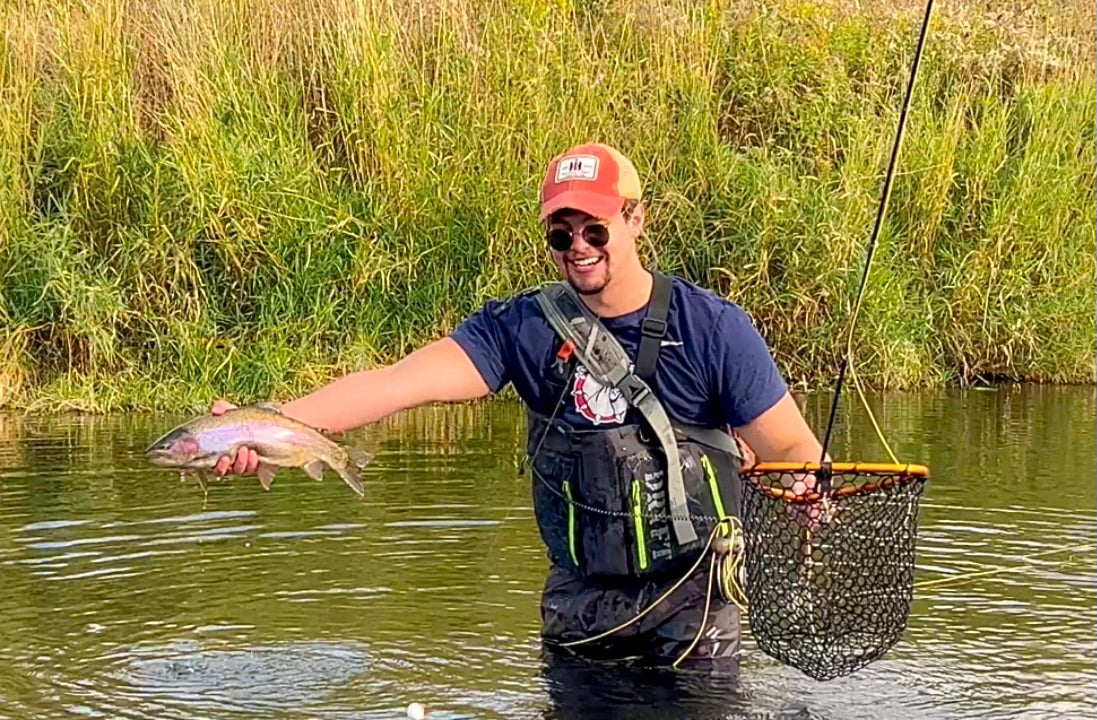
(351, 477)
(360, 458)
(266, 474)
(314, 469)
(272, 406)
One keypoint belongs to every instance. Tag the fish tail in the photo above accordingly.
(351, 477)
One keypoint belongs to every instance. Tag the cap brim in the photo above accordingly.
(595, 204)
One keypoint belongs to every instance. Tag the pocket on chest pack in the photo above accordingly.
(554, 477)
(643, 476)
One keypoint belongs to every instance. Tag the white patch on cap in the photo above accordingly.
(577, 167)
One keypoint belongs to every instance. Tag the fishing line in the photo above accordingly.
(1039, 511)
(655, 603)
(1025, 565)
(704, 615)
(880, 214)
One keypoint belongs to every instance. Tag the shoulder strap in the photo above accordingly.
(506, 304)
(608, 362)
(654, 328)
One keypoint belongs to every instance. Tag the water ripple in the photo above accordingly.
(129, 595)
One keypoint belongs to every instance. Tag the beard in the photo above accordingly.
(589, 290)
(589, 284)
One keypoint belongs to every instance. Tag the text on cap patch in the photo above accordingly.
(577, 167)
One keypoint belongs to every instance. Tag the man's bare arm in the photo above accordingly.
(438, 372)
(781, 434)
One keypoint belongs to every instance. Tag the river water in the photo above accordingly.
(127, 594)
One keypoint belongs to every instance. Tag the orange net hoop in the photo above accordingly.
(852, 478)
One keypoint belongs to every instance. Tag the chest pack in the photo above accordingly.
(634, 500)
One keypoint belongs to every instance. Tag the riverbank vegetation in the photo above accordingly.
(244, 198)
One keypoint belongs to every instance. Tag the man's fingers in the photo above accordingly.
(220, 407)
(246, 460)
(241, 463)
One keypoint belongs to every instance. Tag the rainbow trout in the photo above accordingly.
(278, 440)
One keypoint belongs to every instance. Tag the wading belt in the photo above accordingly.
(608, 363)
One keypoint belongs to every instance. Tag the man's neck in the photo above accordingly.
(624, 295)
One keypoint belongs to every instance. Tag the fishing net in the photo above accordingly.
(830, 561)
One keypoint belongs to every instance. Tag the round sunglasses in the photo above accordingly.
(595, 235)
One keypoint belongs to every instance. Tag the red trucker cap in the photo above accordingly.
(593, 178)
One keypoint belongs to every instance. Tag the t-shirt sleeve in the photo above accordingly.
(747, 382)
(483, 338)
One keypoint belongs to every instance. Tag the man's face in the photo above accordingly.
(587, 265)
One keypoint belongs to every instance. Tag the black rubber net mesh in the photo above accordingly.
(829, 576)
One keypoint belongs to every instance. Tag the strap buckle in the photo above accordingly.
(654, 327)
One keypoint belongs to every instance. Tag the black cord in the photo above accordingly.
(552, 418)
(881, 212)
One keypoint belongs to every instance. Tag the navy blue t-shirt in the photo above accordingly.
(714, 368)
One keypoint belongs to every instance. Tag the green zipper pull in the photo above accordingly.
(571, 524)
(638, 523)
(714, 489)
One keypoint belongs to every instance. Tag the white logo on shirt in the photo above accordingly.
(596, 402)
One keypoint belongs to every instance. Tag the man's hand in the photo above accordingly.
(749, 457)
(781, 434)
(246, 460)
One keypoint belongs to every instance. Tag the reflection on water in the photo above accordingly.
(580, 690)
(127, 595)
(252, 678)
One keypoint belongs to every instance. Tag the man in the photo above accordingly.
(621, 527)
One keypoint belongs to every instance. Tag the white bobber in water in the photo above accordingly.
(416, 711)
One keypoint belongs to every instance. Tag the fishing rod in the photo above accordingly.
(880, 214)
(798, 596)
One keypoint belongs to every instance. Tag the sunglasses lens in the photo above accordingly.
(596, 235)
(558, 239)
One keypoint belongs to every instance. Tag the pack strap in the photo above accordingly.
(654, 328)
(608, 362)
(712, 437)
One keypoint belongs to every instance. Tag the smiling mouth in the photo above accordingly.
(584, 263)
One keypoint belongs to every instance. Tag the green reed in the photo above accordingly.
(243, 199)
